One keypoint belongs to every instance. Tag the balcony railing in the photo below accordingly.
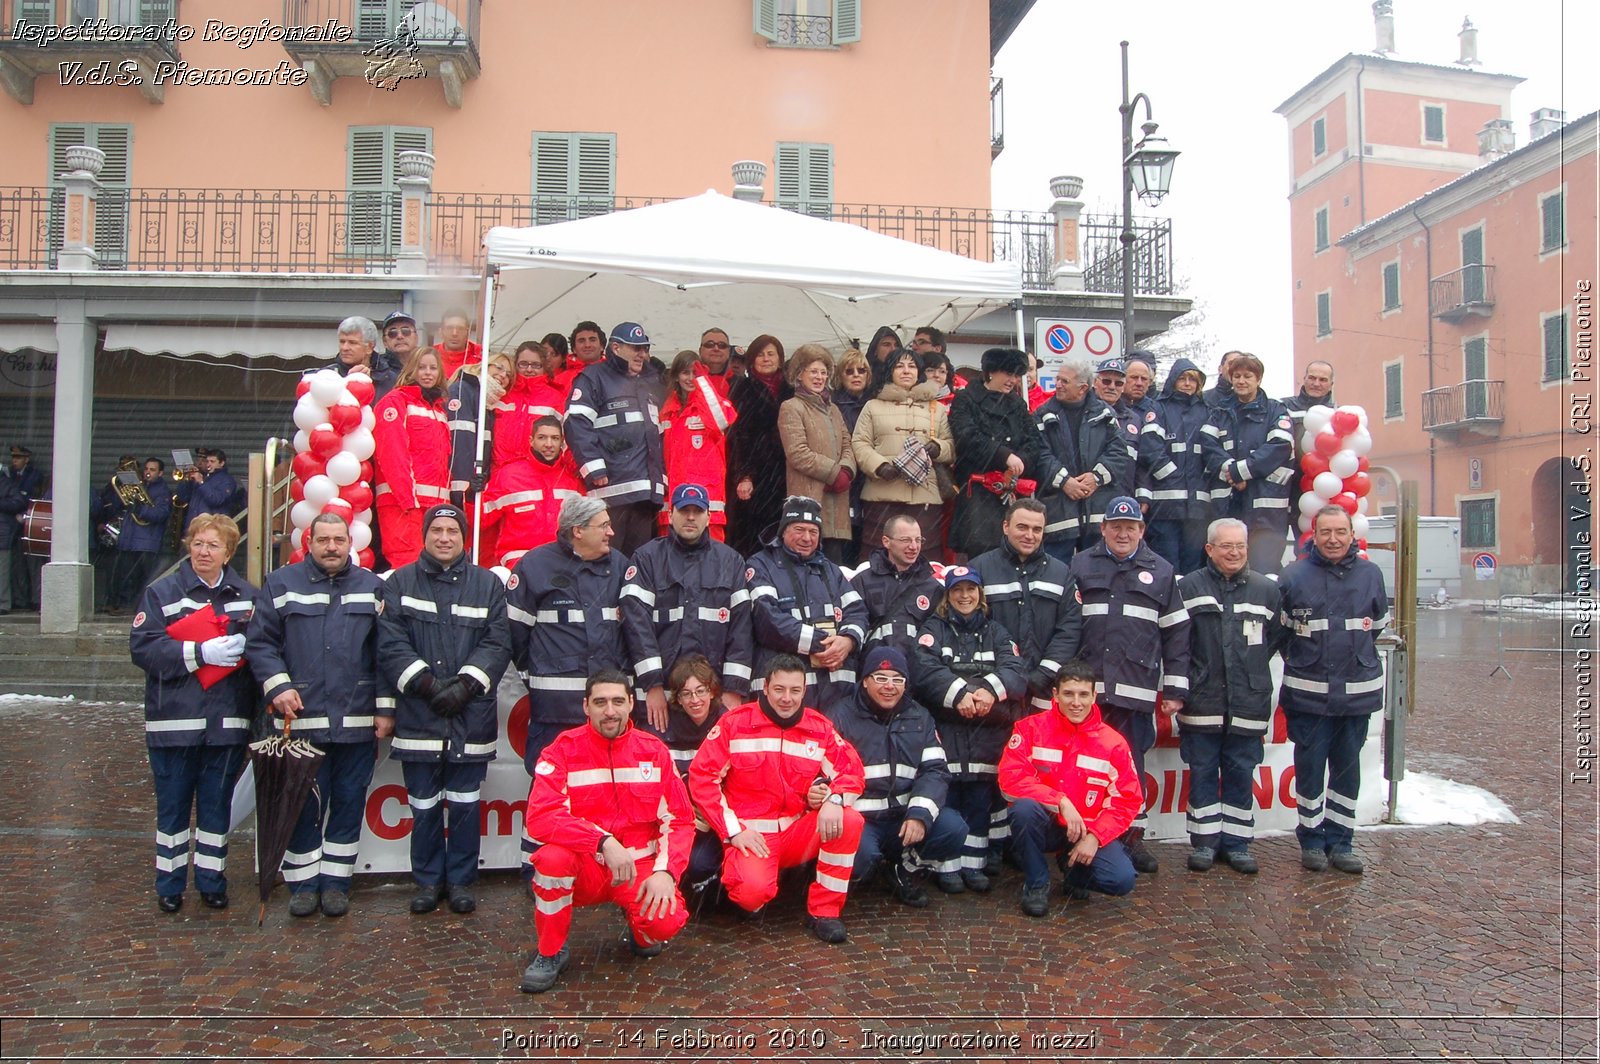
(1102, 254)
(1462, 293)
(1475, 405)
(272, 231)
(64, 40)
(804, 31)
(997, 117)
(384, 42)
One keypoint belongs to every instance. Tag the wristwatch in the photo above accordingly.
(836, 799)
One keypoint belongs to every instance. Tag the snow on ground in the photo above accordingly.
(37, 700)
(1426, 799)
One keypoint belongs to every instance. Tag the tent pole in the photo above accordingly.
(491, 274)
(1022, 335)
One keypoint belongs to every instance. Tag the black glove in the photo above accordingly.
(450, 698)
(423, 684)
(888, 471)
(476, 485)
(932, 448)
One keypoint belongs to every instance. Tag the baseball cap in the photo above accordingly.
(961, 574)
(691, 495)
(1112, 365)
(398, 315)
(1123, 508)
(630, 332)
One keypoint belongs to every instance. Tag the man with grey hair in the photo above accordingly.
(564, 602)
(1083, 461)
(358, 342)
(1234, 632)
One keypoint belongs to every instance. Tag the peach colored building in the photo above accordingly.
(1438, 267)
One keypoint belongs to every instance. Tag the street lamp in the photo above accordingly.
(1146, 170)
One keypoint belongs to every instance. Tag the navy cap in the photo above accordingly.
(690, 495)
(398, 315)
(630, 332)
(1112, 365)
(961, 574)
(885, 659)
(797, 509)
(1123, 508)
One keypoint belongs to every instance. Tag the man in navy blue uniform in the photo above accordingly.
(1084, 462)
(313, 646)
(614, 430)
(899, 586)
(139, 538)
(443, 644)
(209, 488)
(1335, 605)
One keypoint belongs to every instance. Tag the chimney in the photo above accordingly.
(1545, 121)
(1469, 44)
(1495, 139)
(1383, 17)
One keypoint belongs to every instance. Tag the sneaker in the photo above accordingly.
(1313, 860)
(1240, 861)
(910, 887)
(335, 903)
(975, 880)
(1347, 861)
(828, 928)
(1036, 900)
(1201, 858)
(304, 903)
(461, 899)
(540, 974)
(950, 883)
(427, 898)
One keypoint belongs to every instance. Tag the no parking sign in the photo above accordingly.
(1057, 339)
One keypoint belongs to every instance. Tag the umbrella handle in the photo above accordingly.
(287, 724)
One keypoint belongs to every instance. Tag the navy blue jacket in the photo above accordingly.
(566, 622)
(680, 599)
(219, 493)
(148, 536)
(12, 505)
(796, 604)
(904, 761)
(614, 430)
(1252, 441)
(318, 635)
(1036, 601)
(897, 603)
(1135, 629)
(384, 370)
(1234, 632)
(447, 621)
(1101, 447)
(956, 655)
(1335, 611)
(177, 710)
(1178, 489)
(461, 410)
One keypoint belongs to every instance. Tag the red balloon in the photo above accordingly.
(1358, 484)
(297, 490)
(325, 442)
(366, 473)
(1314, 463)
(1328, 444)
(366, 558)
(297, 557)
(341, 507)
(1344, 422)
(1361, 543)
(343, 418)
(1363, 465)
(1345, 501)
(360, 386)
(308, 465)
(1307, 483)
(358, 495)
(303, 387)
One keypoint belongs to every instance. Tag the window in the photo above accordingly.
(1433, 124)
(1477, 524)
(1474, 374)
(808, 23)
(1555, 346)
(1319, 138)
(1474, 285)
(1393, 396)
(111, 203)
(1391, 285)
(574, 175)
(1324, 313)
(805, 178)
(374, 186)
(1322, 228)
(1553, 222)
(378, 19)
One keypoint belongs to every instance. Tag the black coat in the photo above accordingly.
(755, 450)
(956, 655)
(897, 603)
(1100, 446)
(905, 764)
(1234, 631)
(1037, 602)
(988, 428)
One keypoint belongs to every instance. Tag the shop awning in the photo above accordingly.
(218, 341)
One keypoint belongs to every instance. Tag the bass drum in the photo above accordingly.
(36, 522)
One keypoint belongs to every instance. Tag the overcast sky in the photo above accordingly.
(1214, 72)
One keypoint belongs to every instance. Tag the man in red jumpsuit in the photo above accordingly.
(776, 783)
(616, 825)
(1072, 787)
(455, 350)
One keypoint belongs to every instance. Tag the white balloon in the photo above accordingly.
(1361, 505)
(1310, 503)
(1327, 485)
(1317, 419)
(1345, 463)
(369, 420)
(1305, 522)
(1359, 442)
(344, 469)
(1360, 525)
(320, 489)
(304, 512)
(1308, 442)
(360, 536)
(502, 572)
(364, 517)
(308, 413)
(359, 444)
(302, 442)
(297, 539)
(326, 386)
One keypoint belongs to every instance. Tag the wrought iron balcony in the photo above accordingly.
(1477, 406)
(130, 43)
(997, 117)
(1463, 293)
(1102, 254)
(384, 42)
(804, 31)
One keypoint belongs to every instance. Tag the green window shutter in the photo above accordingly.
(594, 181)
(1475, 369)
(374, 20)
(1322, 229)
(846, 21)
(1319, 137)
(574, 175)
(1391, 285)
(552, 169)
(111, 203)
(368, 182)
(1555, 347)
(819, 180)
(804, 180)
(1324, 314)
(765, 18)
(37, 12)
(1433, 125)
(1392, 396)
(1553, 222)
(1477, 524)
(788, 186)
(154, 12)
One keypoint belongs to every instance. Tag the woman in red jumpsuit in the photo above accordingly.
(412, 458)
(694, 427)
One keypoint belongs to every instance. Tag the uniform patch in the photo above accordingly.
(1146, 578)
(1283, 422)
(1014, 649)
(512, 582)
(1016, 741)
(1366, 624)
(1149, 415)
(922, 602)
(1133, 429)
(138, 619)
(925, 640)
(697, 441)
(716, 730)
(454, 404)
(647, 770)
(633, 571)
(722, 615)
(576, 394)
(544, 768)
(838, 615)
(391, 414)
(1077, 594)
(380, 607)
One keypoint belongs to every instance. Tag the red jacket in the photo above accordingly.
(1037, 397)
(528, 400)
(454, 360)
(586, 787)
(1048, 756)
(694, 441)
(523, 499)
(750, 773)
(411, 460)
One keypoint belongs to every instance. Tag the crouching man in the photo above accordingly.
(615, 823)
(1072, 788)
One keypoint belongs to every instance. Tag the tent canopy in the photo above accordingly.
(683, 266)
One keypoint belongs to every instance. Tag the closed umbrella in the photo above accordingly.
(286, 774)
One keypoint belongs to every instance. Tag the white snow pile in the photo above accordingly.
(1426, 799)
(7, 699)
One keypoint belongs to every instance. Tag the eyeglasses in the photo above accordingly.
(887, 679)
(715, 345)
(905, 540)
(399, 330)
(529, 365)
(693, 694)
(853, 370)
(1231, 548)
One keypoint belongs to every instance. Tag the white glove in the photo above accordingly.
(224, 650)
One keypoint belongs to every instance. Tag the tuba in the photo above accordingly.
(130, 489)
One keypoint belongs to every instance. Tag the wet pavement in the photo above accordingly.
(1459, 943)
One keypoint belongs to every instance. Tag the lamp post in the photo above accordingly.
(1146, 170)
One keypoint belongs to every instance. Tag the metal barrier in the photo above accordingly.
(1500, 621)
(268, 508)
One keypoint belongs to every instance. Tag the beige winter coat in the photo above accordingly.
(818, 446)
(880, 437)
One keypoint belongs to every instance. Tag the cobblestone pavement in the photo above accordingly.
(1459, 943)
